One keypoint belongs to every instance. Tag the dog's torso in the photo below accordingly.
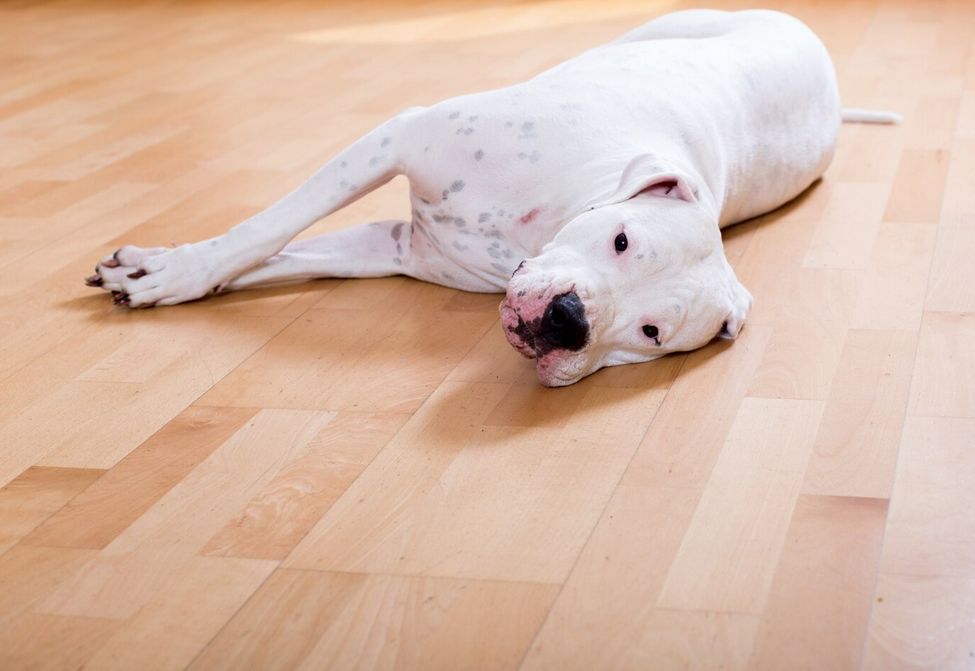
(747, 101)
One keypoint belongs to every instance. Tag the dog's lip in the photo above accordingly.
(515, 328)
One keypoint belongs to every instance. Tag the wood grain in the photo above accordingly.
(363, 474)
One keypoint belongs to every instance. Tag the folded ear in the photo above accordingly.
(648, 175)
(741, 303)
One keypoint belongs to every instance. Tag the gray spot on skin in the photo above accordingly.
(483, 217)
(399, 248)
(508, 124)
(427, 148)
(478, 155)
(457, 186)
(454, 115)
(344, 183)
(343, 164)
(445, 194)
(521, 293)
(532, 158)
(468, 131)
(396, 231)
(500, 268)
(460, 248)
(459, 222)
(472, 119)
(639, 256)
(353, 187)
(385, 142)
(439, 218)
(398, 261)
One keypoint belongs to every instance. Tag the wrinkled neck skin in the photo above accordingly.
(670, 289)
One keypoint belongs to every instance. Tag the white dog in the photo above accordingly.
(594, 193)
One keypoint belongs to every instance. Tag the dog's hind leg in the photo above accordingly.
(378, 249)
(159, 276)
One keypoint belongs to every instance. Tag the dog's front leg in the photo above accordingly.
(141, 277)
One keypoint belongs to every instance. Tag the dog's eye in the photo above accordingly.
(621, 243)
(650, 331)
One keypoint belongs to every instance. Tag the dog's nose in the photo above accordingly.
(564, 324)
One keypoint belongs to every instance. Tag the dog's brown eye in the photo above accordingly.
(650, 331)
(621, 243)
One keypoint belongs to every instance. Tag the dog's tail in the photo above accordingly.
(870, 116)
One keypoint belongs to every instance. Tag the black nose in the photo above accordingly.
(564, 324)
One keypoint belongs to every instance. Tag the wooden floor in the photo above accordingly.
(363, 474)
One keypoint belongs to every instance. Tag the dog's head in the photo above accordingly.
(638, 276)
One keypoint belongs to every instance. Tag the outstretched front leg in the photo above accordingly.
(142, 277)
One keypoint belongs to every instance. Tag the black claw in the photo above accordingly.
(111, 263)
(94, 280)
(120, 297)
(137, 274)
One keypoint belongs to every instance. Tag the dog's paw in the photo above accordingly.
(143, 277)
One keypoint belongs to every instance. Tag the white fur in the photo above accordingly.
(694, 121)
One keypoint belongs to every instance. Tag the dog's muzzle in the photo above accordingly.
(561, 326)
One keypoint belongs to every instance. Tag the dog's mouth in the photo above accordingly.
(520, 334)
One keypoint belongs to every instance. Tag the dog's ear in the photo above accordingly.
(648, 175)
(741, 303)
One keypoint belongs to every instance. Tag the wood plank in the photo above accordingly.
(94, 518)
(66, 642)
(134, 567)
(176, 625)
(855, 453)
(921, 622)
(312, 620)
(29, 574)
(804, 349)
(411, 512)
(830, 557)
(274, 521)
(845, 234)
(732, 544)
(36, 494)
(918, 187)
(931, 530)
(611, 594)
(891, 291)
(944, 374)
